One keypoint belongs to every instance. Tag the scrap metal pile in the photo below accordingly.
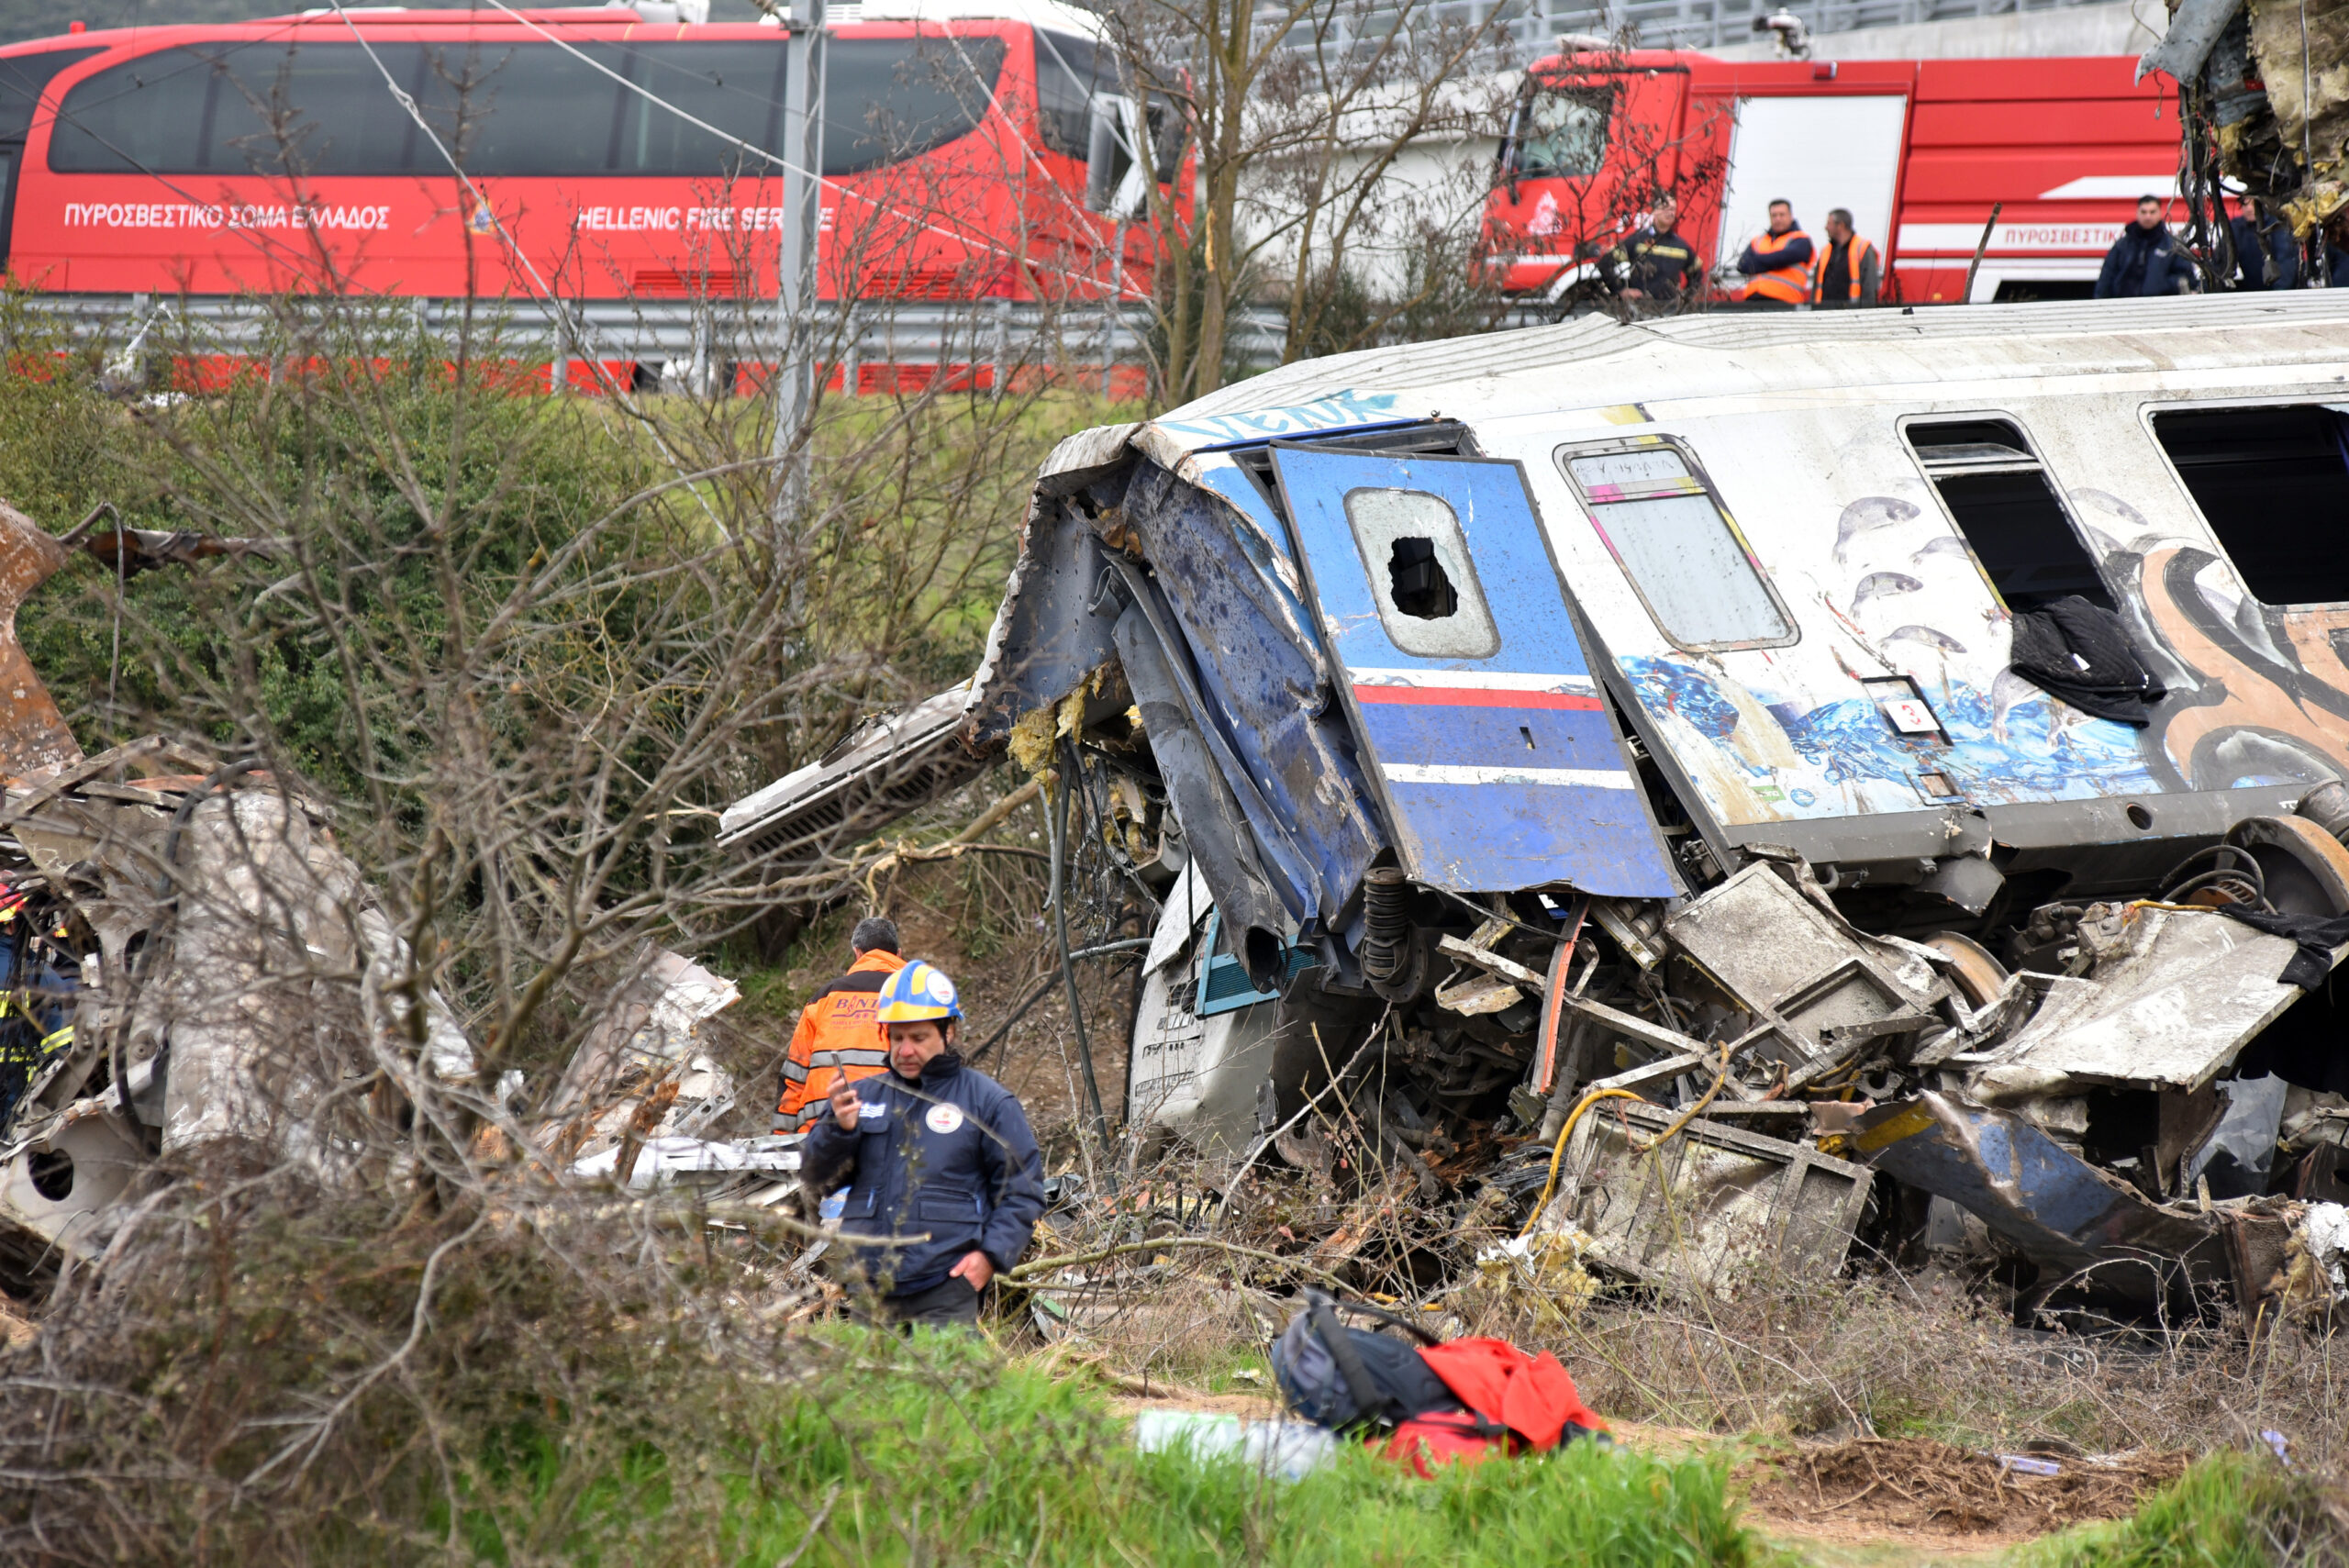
(2262, 89)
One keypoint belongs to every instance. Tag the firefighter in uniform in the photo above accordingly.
(1655, 266)
(937, 1159)
(839, 1039)
(1777, 264)
(1849, 273)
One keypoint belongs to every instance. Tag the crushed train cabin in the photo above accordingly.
(1902, 747)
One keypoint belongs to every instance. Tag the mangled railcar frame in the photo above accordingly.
(1670, 708)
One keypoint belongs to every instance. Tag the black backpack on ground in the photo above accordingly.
(1342, 1377)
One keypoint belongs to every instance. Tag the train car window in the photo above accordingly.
(1069, 72)
(1430, 603)
(1560, 133)
(2000, 498)
(2261, 477)
(1684, 556)
(513, 111)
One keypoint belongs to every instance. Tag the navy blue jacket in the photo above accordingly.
(2266, 256)
(2140, 265)
(949, 1158)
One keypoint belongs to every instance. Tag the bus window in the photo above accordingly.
(1685, 558)
(22, 77)
(1999, 497)
(2262, 478)
(1559, 133)
(739, 91)
(527, 110)
(1069, 73)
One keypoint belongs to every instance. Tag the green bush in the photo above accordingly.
(2228, 1510)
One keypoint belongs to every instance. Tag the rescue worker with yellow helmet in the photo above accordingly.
(937, 1158)
(1777, 264)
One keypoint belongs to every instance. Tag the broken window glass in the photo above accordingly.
(2262, 479)
(1682, 553)
(2000, 498)
(1417, 559)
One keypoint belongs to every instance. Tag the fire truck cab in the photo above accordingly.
(1919, 151)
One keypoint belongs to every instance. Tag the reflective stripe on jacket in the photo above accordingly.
(838, 1041)
(946, 1164)
(1782, 265)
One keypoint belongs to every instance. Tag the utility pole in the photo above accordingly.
(803, 210)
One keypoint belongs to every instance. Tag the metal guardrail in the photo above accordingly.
(694, 341)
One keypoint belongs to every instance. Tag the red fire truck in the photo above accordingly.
(605, 156)
(1919, 151)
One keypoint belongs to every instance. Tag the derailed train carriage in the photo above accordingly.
(1912, 738)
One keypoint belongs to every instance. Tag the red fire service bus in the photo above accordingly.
(1918, 150)
(979, 151)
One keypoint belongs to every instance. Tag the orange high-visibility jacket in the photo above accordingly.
(1790, 283)
(838, 1041)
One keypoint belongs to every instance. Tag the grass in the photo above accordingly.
(2228, 1510)
(936, 1451)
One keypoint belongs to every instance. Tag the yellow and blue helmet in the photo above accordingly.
(917, 992)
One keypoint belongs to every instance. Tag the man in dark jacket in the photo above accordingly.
(2266, 256)
(1654, 266)
(2145, 260)
(937, 1159)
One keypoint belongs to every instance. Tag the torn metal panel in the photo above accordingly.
(2077, 1222)
(1712, 1204)
(1792, 962)
(34, 738)
(1215, 830)
(1479, 719)
(2173, 999)
(1264, 682)
(647, 1045)
(1195, 1076)
(56, 1183)
(1052, 628)
(877, 773)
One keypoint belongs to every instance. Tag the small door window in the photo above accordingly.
(1684, 557)
(1429, 602)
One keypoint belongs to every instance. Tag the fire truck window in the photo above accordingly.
(1069, 72)
(1560, 133)
(2250, 471)
(2000, 498)
(514, 111)
(1430, 603)
(1682, 553)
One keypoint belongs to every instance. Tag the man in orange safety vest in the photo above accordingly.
(1777, 264)
(1849, 273)
(838, 1038)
